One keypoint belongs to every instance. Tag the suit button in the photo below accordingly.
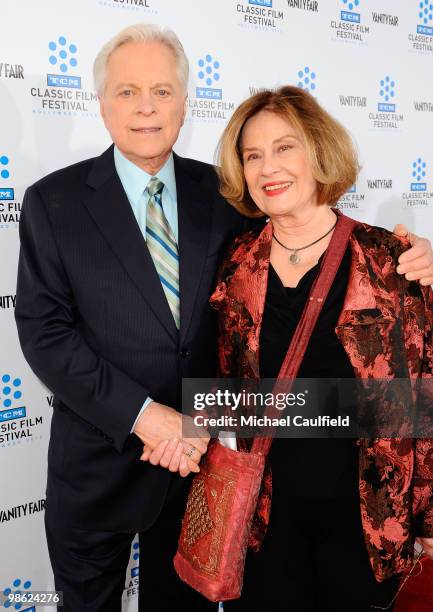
(185, 353)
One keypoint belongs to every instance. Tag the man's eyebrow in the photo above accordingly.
(134, 85)
(120, 85)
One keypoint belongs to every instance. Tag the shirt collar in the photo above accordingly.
(135, 180)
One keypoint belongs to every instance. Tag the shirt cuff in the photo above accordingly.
(143, 408)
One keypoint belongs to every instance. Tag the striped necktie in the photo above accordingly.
(163, 247)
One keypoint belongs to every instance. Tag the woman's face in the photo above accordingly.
(276, 168)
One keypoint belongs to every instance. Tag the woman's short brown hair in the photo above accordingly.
(332, 155)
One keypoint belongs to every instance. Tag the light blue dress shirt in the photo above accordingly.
(135, 181)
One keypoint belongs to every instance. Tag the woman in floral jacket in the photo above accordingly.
(344, 513)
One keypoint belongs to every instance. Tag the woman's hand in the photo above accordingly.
(417, 262)
(170, 455)
(427, 544)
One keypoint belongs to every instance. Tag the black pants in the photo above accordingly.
(313, 559)
(90, 567)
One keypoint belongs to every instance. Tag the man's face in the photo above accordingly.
(143, 104)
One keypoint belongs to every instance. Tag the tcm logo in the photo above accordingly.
(10, 395)
(386, 93)
(19, 587)
(6, 193)
(267, 3)
(307, 79)
(425, 14)
(136, 557)
(348, 13)
(209, 75)
(418, 174)
(63, 56)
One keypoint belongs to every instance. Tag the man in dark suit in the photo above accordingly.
(98, 329)
(118, 256)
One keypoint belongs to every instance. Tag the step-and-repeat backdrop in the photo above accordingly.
(369, 62)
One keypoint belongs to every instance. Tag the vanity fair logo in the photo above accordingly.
(379, 184)
(63, 93)
(304, 5)
(352, 101)
(259, 14)
(11, 71)
(7, 302)
(423, 106)
(208, 103)
(22, 510)
(385, 19)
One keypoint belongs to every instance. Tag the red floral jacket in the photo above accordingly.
(385, 328)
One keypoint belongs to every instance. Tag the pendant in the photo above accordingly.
(294, 258)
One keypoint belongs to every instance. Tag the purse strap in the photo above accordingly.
(316, 298)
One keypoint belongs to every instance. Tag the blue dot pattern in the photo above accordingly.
(307, 79)
(136, 548)
(387, 88)
(7, 390)
(16, 583)
(351, 4)
(4, 173)
(426, 12)
(208, 70)
(62, 59)
(419, 169)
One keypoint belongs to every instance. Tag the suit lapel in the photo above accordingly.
(109, 206)
(194, 214)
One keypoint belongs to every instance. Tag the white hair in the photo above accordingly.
(140, 32)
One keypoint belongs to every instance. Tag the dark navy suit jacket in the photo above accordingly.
(96, 328)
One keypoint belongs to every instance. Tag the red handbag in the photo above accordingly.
(223, 497)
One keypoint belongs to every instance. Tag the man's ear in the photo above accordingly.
(101, 107)
(185, 108)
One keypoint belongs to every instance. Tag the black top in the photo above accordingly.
(313, 468)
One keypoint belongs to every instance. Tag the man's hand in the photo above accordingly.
(160, 429)
(427, 544)
(417, 262)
